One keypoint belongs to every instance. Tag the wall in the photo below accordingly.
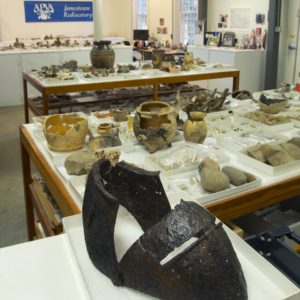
(288, 36)
(217, 8)
(12, 24)
(160, 9)
(117, 18)
(117, 21)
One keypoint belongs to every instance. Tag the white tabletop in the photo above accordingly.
(42, 269)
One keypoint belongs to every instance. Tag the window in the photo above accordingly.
(187, 18)
(141, 11)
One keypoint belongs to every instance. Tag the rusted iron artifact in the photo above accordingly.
(207, 266)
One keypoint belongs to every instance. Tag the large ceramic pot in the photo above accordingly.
(195, 129)
(155, 125)
(158, 57)
(65, 133)
(102, 55)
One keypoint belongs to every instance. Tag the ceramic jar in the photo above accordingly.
(104, 128)
(65, 132)
(102, 55)
(158, 57)
(195, 128)
(154, 125)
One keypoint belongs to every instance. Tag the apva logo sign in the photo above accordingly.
(43, 11)
(58, 11)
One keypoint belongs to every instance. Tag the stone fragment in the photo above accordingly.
(295, 141)
(210, 163)
(213, 180)
(256, 153)
(268, 150)
(78, 163)
(280, 158)
(250, 177)
(292, 150)
(81, 162)
(236, 177)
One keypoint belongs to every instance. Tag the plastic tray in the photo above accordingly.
(188, 184)
(237, 143)
(183, 158)
(265, 168)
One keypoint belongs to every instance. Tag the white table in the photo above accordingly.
(59, 268)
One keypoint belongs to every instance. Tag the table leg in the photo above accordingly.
(26, 182)
(155, 91)
(45, 104)
(236, 83)
(26, 110)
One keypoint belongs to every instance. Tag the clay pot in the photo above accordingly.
(154, 125)
(195, 129)
(120, 115)
(104, 128)
(102, 56)
(158, 57)
(65, 133)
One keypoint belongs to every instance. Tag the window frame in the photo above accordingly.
(135, 18)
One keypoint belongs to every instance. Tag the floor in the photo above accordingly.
(12, 209)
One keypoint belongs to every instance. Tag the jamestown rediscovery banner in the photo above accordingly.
(58, 11)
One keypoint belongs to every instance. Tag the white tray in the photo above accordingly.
(188, 185)
(265, 168)
(237, 143)
(274, 128)
(221, 123)
(155, 160)
(78, 184)
(264, 281)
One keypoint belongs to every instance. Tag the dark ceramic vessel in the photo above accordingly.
(102, 55)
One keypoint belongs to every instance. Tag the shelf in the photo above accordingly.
(46, 211)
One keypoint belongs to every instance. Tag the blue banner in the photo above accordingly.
(58, 11)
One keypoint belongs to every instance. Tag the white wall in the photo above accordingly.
(117, 15)
(117, 21)
(217, 8)
(288, 36)
(12, 24)
(160, 9)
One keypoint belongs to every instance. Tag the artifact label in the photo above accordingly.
(58, 11)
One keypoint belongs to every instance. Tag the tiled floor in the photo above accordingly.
(12, 209)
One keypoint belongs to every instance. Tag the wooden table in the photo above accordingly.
(123, 81)
(225, 209)
(55, 184)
